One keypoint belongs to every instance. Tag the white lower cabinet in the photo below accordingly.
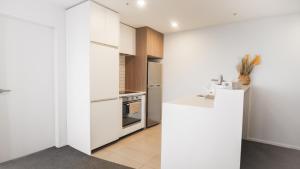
(106, 122)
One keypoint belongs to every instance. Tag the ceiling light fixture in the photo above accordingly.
(174, 24)
(141, 3)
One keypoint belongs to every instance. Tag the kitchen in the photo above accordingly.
(128, 63)
(149, 84)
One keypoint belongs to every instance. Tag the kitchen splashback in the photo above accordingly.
(122, 73)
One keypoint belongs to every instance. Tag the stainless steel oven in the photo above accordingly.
(132, 110)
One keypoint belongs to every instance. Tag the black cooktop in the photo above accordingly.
(126, 92)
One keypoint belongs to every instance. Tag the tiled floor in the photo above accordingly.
(140, 151)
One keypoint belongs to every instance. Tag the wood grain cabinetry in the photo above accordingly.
(149, 44)
(154, 44)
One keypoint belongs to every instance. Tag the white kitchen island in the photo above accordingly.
(200, 133)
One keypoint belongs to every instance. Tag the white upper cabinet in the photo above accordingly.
(104, 23)
(127, 39)
(104, 72)
(113, 28)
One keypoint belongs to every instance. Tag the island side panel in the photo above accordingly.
(196, 137)
(229, 106)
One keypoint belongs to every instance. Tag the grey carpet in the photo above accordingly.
(263, 156)
(62, 158)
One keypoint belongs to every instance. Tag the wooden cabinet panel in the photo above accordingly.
(149, 44)
(160, 45)
(136, 67)
(154, 43)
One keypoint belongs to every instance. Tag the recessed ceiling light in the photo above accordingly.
(174, 24)
(141, 3)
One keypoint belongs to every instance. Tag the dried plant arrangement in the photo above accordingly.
(246, 67)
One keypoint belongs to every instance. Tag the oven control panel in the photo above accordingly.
(132, 98)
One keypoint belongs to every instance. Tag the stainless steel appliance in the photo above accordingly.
(132, 110)
(154, 93)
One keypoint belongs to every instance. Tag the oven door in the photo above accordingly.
(132, 112)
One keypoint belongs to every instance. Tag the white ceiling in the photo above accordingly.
(191, 14)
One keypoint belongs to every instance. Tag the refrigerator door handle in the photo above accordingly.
(155, 85)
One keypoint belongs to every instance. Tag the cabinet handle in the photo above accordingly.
(102, 100)
(103, 44)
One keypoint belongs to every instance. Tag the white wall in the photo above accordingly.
(192, 58)
(53, 16)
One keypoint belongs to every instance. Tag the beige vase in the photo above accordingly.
(244, 79)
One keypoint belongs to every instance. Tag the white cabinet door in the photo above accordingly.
(127, 39)
(104, 72)
(106, 122)
(105, 25)
(113, 28)
(98, 23)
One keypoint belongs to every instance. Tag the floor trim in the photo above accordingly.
(273, 143)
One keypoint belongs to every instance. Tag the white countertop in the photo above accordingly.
(198, 101)
(195, 101)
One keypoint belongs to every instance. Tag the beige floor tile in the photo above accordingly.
(140, 156)
(147, 167)
(116, 158)
(114, 147)
(103, 154)
(140, 150)
(145, 146)
(154, 162)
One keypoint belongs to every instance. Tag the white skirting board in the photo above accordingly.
(273, 143)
